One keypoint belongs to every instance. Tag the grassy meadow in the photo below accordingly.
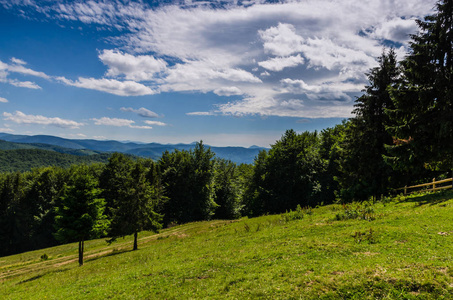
(401, 248)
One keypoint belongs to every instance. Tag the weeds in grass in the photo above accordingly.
(44, 257)
(366, 236)
(364, 211)
(298, 214)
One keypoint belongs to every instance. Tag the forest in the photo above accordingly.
(401, 133)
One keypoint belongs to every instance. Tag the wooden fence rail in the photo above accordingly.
(434, 186)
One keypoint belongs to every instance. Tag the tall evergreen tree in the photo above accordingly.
(364, 171)
(424, 97)
(226, 190)
(287, 176)
(187, 177)
(134, 207)
(79, 214)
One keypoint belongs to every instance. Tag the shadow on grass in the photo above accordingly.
(431, 198)
(41, 275)
(113, 253)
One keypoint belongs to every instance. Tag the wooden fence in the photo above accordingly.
(429, 187)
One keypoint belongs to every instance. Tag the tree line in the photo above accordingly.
(401, 133)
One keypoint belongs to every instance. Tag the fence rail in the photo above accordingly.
(434, 186)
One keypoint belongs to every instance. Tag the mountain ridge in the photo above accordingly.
(151, 150)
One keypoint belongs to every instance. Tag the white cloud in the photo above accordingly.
(215, 46)
(397, 29)
(21, 118)
(18, 61)
(228, 91)
(5, 129)
(18, 67)
(157, 123)
(142, 112)
(137, 68)
(3, 100)
(279, 63)
(24, 84)
(201, 113)
(120, 88)
(286, 108)
(281, 40)
(106, 121)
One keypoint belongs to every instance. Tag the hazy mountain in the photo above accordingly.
(152, 150)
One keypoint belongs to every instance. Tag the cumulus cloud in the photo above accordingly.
(228, 91)
(137, 68)
(285, 108)
(21, 118)
(112, 86)
(324, 46)
(142, 112)
(397, 30)
(281, 40)
(279, 63)
(3, 100)
(106, 121)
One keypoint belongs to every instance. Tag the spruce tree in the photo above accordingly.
(364, 172)
(423, 98)
(79, 214)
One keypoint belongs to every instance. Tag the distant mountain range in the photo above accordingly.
(92, 147)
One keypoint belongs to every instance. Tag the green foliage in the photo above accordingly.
(134, 200)
(187, 177)
(22, 160)
(79, 213)
(423, 99)
(228, 190)
(363, 170)
(298, 214)
(288, 175)
(361, 211)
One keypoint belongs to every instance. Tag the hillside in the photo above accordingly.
(22, 160)
(150, 150)
(397, 249)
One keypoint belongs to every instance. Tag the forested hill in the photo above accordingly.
(25, 159)
(150, 150)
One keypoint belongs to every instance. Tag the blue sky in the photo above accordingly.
(230, 73)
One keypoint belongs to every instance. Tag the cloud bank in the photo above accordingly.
(287, 58)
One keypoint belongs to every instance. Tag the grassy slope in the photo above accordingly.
(407, 255)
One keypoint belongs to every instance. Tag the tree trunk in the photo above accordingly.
(135, 241)
(81, 245)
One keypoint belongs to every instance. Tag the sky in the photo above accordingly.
(230, 73)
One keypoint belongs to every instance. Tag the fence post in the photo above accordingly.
(405, 190)
(434, 183)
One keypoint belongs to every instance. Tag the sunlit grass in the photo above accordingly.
(405, 251)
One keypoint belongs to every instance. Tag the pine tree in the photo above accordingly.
(424, 97)
(364, 171)
(79, 215)
(134, 207)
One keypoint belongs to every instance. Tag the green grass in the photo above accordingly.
(402, 249)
